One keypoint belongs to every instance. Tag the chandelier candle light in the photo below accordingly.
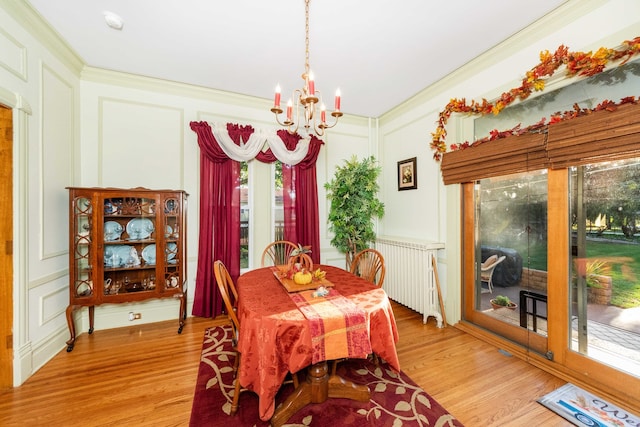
(306, 98)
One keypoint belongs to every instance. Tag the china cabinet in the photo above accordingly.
(125, 245)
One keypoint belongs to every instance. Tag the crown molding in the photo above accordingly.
(40, 29)
(153, 84)
(168, 87)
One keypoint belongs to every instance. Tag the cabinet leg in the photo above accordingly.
(72, 328)
(91, 317)
(183, 311)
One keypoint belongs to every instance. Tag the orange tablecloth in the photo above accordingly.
(275, 337)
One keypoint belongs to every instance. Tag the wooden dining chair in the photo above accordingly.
(277, 253)
(230, 297)
(369, 264)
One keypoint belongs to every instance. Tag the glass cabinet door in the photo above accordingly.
(172, 229)
(81, 255)
(130, 251)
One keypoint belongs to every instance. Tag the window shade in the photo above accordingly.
(599, 136)
(494, 158)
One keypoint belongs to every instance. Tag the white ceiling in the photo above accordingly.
(378, 52)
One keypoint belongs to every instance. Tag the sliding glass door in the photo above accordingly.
(570, 236)
(510, 258)
(604, 201)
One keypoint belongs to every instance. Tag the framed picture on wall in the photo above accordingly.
(407, 174)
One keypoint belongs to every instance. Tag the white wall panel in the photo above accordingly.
(56, 171)
(410, 213)
(14, 55)
(48, 303)
(141, 145)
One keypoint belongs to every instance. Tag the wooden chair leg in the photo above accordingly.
(334, 367)
(296, 382)
(236, 363)
(236, 395)
(375, 359)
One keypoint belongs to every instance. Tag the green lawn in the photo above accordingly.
(624, 260)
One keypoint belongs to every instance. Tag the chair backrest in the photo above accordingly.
(229, 294)
(277, 253)
(487, 272)
(489, 261)
(369, 264)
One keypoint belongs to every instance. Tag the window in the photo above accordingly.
(244, 215)
(278, 203)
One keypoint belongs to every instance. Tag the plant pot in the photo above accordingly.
(495, 306)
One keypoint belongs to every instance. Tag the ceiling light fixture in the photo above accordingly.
(306, 99)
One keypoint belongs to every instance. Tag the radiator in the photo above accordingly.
(409, 278)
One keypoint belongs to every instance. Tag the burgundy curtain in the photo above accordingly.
(219, 220)
(300, 196)
(219, 236)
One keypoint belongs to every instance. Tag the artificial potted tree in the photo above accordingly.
(353, 193)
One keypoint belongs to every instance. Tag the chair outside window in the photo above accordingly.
(486, 271)
(277, 253)
(369, 264)
(230, 297)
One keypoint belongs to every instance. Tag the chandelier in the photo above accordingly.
(304, 102)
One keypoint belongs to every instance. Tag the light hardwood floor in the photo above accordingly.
(144, 375)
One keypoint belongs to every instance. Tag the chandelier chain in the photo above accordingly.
(306, 31)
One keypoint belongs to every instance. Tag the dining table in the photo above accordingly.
(282, 332)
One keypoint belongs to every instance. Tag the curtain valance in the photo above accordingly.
(252, 142)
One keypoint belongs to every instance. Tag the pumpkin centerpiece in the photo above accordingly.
(300, 270)
(300, 265)
(303, 277)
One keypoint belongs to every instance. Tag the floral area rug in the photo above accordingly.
(395, 399)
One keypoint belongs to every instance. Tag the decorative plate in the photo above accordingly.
(112, 256)
(172, 251)
(149, 254)
(129, 256)
(120, 255)
(168, 231)
(112, 231)
(139, 228)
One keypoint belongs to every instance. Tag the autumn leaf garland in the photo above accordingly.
(576, 64)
